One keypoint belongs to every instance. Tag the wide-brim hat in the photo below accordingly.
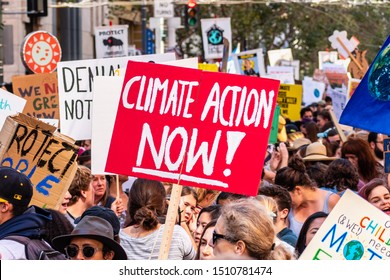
(299, 142)
(317, 152)
(95, 228)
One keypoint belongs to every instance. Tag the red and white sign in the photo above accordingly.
(191, 127)
(41, 52)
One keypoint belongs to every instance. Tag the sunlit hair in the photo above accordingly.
(365, 157)
(81, 182)
(249, 221)
(280, 194)
(146, 203)
(294, 175)
(202, 194)
(270, 204)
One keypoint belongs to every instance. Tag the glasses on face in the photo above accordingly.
(88, 251)
(217, 236)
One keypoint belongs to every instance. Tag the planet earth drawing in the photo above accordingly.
(379, 76)
(353, 250)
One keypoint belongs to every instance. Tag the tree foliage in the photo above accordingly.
(304, 28)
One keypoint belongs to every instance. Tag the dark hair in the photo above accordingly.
(372, 137)
(342, 175)
(311, 131)
(213, 210)
(366, 190)
(58, 225)
(189, 191)
(293, 175)
(366, 160)
(300, 246)
(280, 194)
(228, 196)
(146, 203)
(212, 223)
(316, 172)
(304, 110)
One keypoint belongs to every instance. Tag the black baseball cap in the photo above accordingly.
(104, 213)
(15, 187)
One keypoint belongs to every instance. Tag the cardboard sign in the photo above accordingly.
(326, 57)
(192, 126)
(10, 104)
(111, 41)
(213, 32)
(41, 93)
(48, 158)
(250, 63)
(290, 100)
(75, 84)
(348, 234)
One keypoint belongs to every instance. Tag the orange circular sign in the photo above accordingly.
(41, 52)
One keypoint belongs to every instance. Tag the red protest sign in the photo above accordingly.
(207, 129)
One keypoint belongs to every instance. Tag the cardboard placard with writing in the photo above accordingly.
(48, 158)
(290, 101)
(41, 94)
(195, 127)
(347, 234)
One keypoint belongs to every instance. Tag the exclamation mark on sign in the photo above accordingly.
(233, 140)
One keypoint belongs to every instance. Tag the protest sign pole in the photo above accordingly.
(117, 185)
(170, 221)
(338, 127)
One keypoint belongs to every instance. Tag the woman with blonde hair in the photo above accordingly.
(245, 231)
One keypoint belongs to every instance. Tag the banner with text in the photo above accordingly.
(348, 234)
(203, 129)
(75, 84)
(41, 94)
(48, 158)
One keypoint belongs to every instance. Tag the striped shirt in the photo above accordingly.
(148, 247)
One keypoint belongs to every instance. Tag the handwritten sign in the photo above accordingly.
(193, 126)
(9, 104)
(290, 100)
(75, 84)
(41, 93)
(348, 234)
(45, 156)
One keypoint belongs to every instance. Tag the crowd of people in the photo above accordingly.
(303, 179)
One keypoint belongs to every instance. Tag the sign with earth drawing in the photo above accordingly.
(347, 234)
(213, 32)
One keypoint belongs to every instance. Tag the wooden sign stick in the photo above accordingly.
(350, 54)
(117, 186)
(338, 127)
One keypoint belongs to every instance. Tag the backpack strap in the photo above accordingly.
(22, 240)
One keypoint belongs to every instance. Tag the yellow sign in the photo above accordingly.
(290, 101)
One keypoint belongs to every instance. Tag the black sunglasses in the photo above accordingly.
(73, 250)
(217, 236)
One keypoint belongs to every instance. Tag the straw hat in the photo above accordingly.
(297, 143)
(316, 152)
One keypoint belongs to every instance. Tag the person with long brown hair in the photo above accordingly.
(143, 237)
(306, 197)
(359, 153)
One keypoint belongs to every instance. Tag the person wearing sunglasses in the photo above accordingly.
(245, 231)
(91, 239)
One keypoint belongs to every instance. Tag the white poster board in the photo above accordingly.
(249, 61)
(213, 32)
(75, 85)
(10, 104)
(111, 41)
(312, 90)
(354, 230)
(276, 56)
